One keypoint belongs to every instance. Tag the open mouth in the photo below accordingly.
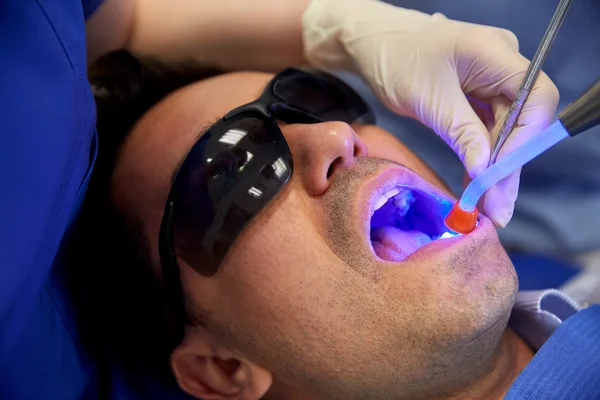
(405, 219)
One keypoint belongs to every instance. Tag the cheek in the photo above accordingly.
(279, 263)
(284, 287)
(276, 261)
(382, 144)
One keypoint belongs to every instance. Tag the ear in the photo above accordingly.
(206, 370)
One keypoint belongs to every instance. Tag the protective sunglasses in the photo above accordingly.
(237, 167)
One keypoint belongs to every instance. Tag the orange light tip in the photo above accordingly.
(461, 221)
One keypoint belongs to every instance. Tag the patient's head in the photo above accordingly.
(332, 290)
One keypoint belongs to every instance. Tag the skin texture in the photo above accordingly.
(301, 308)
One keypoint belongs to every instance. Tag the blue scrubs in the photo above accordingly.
(47, 150)
(565, 176)
(47, 144)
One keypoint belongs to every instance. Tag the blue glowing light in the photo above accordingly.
(413, 210)
(447, 235)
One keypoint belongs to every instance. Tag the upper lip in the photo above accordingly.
(385, 180)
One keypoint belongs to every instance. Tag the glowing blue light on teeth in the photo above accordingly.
(450, 234)
(447, 235)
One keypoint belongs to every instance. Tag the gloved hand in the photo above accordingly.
(457, 78)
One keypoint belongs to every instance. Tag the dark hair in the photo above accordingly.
(119, 299)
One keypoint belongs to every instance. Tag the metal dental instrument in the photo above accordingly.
(530, 76)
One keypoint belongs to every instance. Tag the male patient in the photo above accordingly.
(307, 246)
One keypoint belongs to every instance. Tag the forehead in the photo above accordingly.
(162, 137)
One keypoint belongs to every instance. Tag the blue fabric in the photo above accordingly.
(565, 175)
(537, 272)
(128, 386)
(47, 362)
(567, 366)
(89, 6)
(47, 119)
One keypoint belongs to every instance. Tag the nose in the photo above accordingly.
(320, 150)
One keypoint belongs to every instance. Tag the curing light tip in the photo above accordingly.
(461, 221)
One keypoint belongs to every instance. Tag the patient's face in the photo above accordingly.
(306, 291)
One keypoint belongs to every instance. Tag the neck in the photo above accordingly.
(513, 356)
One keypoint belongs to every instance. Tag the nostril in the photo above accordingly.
(332, 166)
(360, 149)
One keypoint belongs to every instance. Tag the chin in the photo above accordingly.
(489, 290)
(465, 284)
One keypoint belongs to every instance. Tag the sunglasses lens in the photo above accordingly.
(228, 177)
(322, 95)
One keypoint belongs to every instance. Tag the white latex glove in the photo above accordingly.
(457, 78)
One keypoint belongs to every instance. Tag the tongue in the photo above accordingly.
(393, 244)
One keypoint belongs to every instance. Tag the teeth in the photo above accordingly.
(380, 202)
(392, 192)
(403, 200)
(403, 192)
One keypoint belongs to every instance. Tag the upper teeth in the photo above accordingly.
(396, 193)
(403, 201)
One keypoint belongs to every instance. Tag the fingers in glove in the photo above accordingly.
(464, 131)
(497, 69)
(499, 201)
(536, 115)
(484, 111)
(499, 206)
(500, 81)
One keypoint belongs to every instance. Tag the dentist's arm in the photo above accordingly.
(232, 34)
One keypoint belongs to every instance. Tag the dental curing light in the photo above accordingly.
(579, 116)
